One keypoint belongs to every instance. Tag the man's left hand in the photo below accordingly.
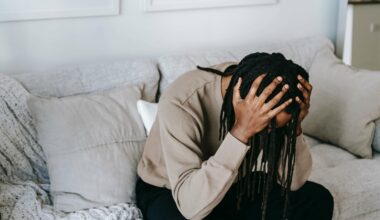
(305, 87)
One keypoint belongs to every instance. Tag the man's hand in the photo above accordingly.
(252, 114)
(306, 89)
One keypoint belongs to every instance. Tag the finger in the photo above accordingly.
(236, 94)
(303, 105)
(279, 109)
(305, 93)
(304, 111)
(269, 105)
(255, 85)
(268, 90)
(306, 96)
(302, 115)
(305, 83)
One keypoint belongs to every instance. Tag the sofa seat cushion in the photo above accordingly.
(311, 141)
(330, 156)
(353, 182)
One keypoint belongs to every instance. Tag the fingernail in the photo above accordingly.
(299, 86)
(299, 77)
(286, 86)
(279, 78)
(290, 100)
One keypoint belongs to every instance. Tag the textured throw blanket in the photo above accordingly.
(24, 180)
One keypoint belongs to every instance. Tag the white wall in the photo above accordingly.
(39, 45)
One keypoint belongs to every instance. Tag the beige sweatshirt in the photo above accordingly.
(183, 153)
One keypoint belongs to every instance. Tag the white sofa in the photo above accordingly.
(24, 181)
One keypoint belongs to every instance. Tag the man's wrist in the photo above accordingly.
(239, 135)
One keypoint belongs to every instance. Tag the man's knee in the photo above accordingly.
(320, 193)
(163, 207)
(317, 195)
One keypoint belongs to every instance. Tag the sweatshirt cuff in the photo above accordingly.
(231, 152)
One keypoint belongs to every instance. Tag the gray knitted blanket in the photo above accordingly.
(24, 179)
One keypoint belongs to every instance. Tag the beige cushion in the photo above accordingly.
(344, 104)
(93, 143)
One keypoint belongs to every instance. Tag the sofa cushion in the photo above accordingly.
(329, 156)
(93, 143)
(311, 141)
(354, 183)
(344, 104)
(301, 51)
(78, 79)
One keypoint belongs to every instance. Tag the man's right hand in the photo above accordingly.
(252, 114)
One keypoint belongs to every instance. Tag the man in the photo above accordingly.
(188, 172)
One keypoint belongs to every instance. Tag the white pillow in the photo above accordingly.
(345, 103)
(147, 111)
(93, 143)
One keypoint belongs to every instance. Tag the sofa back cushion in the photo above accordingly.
(301, 51)
(87, 78)
(92, 143)
(21, 156)
(344, 104)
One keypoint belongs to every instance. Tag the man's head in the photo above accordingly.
(275, 64)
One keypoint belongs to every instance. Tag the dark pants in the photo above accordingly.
(311, 201)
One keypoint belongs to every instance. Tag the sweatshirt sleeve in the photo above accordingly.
(197, 185)
(302, 164)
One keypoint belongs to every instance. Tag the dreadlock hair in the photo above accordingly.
(278, 145)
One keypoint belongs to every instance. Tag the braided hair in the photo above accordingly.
(278, 144)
